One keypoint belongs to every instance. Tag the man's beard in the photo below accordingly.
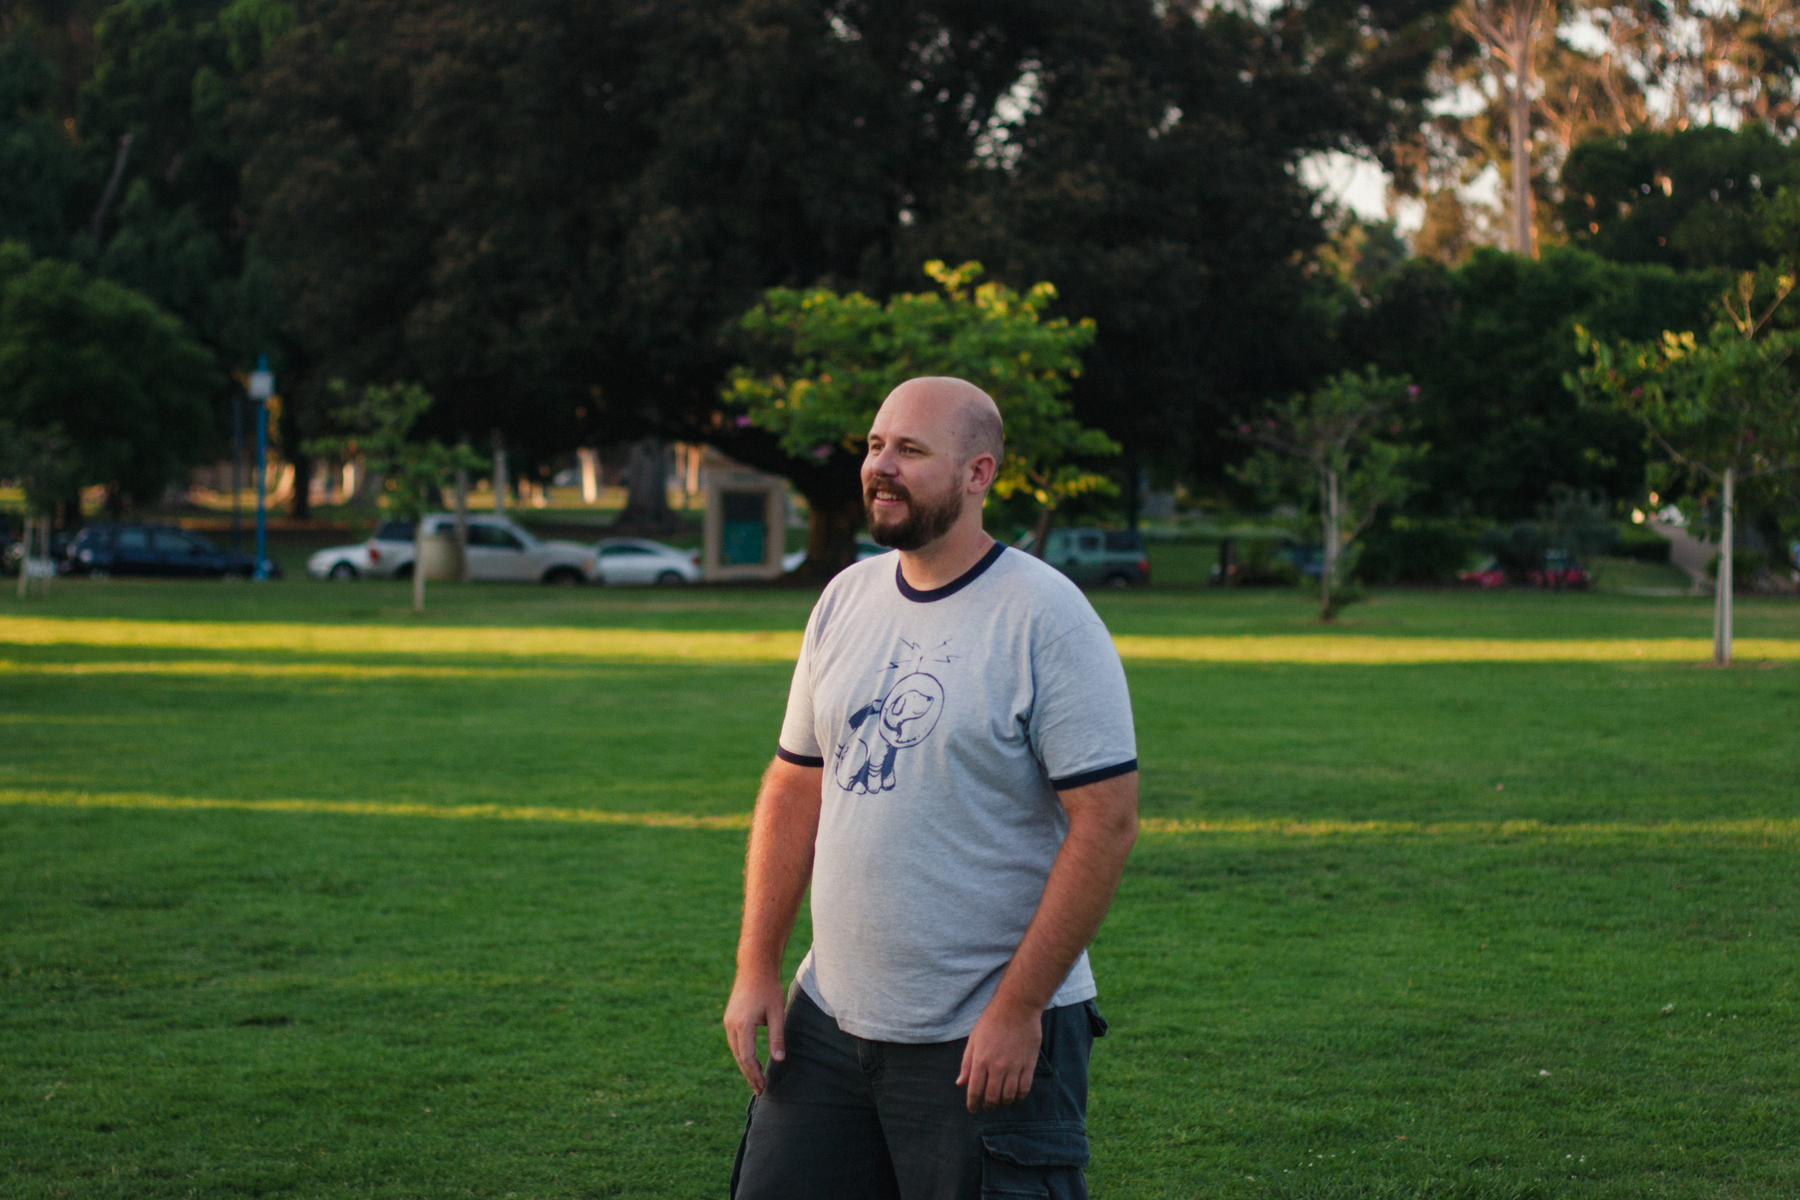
(923, 524)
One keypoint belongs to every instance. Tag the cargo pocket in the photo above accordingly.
(1040, 1159)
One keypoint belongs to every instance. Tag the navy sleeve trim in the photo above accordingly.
(799, 760)
(1087, 777)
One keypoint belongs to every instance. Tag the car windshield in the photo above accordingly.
(395, 531)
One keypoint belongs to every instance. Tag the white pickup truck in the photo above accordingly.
(498, 550)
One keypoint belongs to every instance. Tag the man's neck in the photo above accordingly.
(947, 559)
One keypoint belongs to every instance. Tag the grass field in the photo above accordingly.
(1475, 895)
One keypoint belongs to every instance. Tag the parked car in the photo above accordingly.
(1111, 557)
(120, 548)
(792, 560)
(340, 563)
(628, 561)
(499, 549)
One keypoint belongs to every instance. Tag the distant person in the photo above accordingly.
(957, 780)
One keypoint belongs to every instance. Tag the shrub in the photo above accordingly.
(1414, 552)
(1641, 545)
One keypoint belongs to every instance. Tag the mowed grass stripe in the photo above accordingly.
(718, 646)
(371, 808)
(1353, 650)
(1760, 829)
(296, 670)
(629, 645)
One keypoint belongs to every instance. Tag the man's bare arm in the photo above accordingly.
(777, 869)
(1001, 1056)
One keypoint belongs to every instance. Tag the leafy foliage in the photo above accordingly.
(833, 359)
(382, 417)
(1489, 344)
(848, 352)
(1327, 448)
(39, 167)
(1689, 199)
(1732, 401)
(100, 365)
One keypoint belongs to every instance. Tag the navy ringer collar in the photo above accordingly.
(955, 585)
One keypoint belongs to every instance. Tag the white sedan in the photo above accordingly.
(498, 550)
(638, 561)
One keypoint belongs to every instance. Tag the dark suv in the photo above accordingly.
(114, 548)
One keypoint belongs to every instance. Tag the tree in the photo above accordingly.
(122, 380)
(1510, 30)
(1488, 343)
(39, 167)
(1596, 69)
(553, 213)
(826, 362)
(1726, 410)
(382, 418)
(1326, 446)
(1692, 198)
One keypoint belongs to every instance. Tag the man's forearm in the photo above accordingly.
(1102, 829)
(778, 864)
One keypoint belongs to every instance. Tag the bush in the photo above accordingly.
(1641, 545)
(1261, 562)
(1414, 552)
(1519, 550)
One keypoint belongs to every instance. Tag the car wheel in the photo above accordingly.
(1118, 580)
(404, 572)
(563, 577)
(341, 572)
(670, 579)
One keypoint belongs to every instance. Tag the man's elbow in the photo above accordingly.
(1108, 815)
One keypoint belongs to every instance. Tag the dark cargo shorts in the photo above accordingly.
(844, 1118)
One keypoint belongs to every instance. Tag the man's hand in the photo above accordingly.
(777, 866)
(1001, 1056)
(755, 1002)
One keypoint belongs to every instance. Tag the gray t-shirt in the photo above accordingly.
(945, 722)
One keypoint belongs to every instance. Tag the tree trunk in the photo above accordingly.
(1524, 19)
(418, 573)
(1722, 593)
(830, 537)
(647, 481)
(1040, 533)
(1328, 501)
(462, 520)
(300, 503)
(590, 474)
(499, 475)
(25, 557)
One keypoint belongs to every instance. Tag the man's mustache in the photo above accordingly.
(897, 488)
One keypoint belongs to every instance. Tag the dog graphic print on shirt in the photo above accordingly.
(897, 721)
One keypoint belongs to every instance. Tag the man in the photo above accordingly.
(956, 777)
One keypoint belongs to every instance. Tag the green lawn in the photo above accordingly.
(1418, 1001)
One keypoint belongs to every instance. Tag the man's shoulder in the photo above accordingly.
(860, 576)
(1028, 579)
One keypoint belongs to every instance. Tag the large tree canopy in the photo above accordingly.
(1489, 344)
(553, 212)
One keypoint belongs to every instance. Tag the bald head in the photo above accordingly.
(955, 406)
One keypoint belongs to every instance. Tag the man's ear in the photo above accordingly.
(982, 469)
